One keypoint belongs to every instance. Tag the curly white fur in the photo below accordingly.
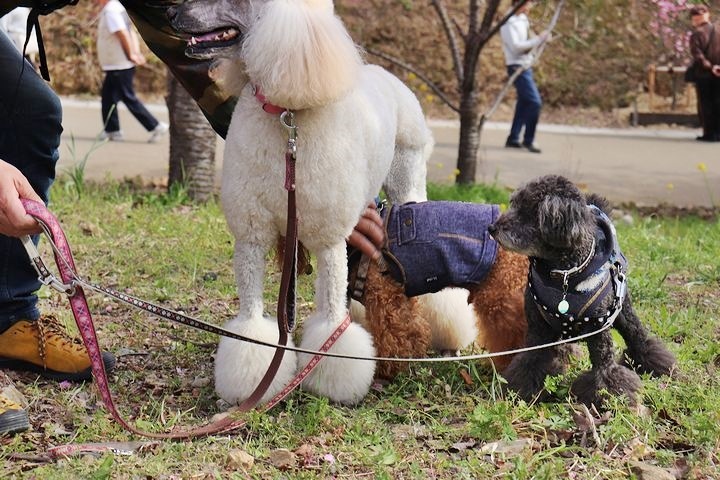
(359, 129)
(300, 54)
(452, 320)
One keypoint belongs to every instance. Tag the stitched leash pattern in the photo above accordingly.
(83, 318)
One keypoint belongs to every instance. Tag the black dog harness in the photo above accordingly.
(573, 302)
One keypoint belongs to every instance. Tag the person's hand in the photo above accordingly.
(14, 186)
(138, 59)
(545, 36)
(369, 234)
(716, 70)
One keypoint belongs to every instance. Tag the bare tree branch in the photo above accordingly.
(474, 42)
(419, 74)
(536, 52)
(460, 32)
(446, 23)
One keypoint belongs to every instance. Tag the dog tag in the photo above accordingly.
(563, 306)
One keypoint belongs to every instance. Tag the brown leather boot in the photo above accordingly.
(43, 346)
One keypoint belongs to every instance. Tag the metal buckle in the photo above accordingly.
(287, 119)
(44, 275)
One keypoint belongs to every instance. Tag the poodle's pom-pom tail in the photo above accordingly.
(451, 318)
(300, 54)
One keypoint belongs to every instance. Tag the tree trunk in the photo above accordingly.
(192, 144)
(469, 144)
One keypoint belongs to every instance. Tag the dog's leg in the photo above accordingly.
(605, 374)
(452, 320)
(527, 371)
(394, 321)
(644, 353)
(341, 380)
(239, 366)
(501, 324)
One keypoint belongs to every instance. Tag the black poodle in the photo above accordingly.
(576, 285)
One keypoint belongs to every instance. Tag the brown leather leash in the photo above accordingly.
(286, 308)
(73, 288)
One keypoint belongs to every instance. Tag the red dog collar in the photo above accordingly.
(266, 106)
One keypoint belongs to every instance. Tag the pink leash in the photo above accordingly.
(83, 319)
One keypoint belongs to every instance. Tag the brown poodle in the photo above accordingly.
(404, 324)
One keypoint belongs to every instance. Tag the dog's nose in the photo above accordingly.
(492, 229)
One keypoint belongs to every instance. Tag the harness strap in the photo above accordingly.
(33, 21)
(358, 283)
(43, 8)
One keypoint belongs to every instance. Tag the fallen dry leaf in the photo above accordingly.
(240, 459)
(645, 471)
(466, 377)
(508, 448)
(282, 458)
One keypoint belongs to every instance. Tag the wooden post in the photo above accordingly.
(651, 86)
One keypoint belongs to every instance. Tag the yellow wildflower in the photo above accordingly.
(702, 167)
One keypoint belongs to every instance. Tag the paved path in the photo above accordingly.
(638, 165)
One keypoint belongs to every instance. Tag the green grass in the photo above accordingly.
(428, 423)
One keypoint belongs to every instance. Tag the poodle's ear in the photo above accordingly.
(561, 220)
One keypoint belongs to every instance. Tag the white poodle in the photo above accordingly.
(359, 130)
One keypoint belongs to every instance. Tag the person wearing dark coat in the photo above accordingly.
(705, 52)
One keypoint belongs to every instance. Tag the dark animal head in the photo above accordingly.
(213, 28)
(547, 218)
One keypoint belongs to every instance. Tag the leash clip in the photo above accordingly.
(52, 282)
(287, 118)
(44, 275)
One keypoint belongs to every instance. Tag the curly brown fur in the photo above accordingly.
(393, 320)
(499, 306)
(399, 328)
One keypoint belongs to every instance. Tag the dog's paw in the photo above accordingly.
(592, 387)
(655, 358)
(525, 380)
(341, 380)
(239, 366)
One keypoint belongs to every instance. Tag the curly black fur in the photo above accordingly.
(548, 219)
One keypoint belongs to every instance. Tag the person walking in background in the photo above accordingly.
(119, 52)
(14, 24)
(517, 45)
(705, 52)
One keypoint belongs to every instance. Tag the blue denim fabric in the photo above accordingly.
(30, 128)
(118, 87)
(527, 108)
(434, 245)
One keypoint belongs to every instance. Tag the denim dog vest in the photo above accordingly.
(433, 245)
